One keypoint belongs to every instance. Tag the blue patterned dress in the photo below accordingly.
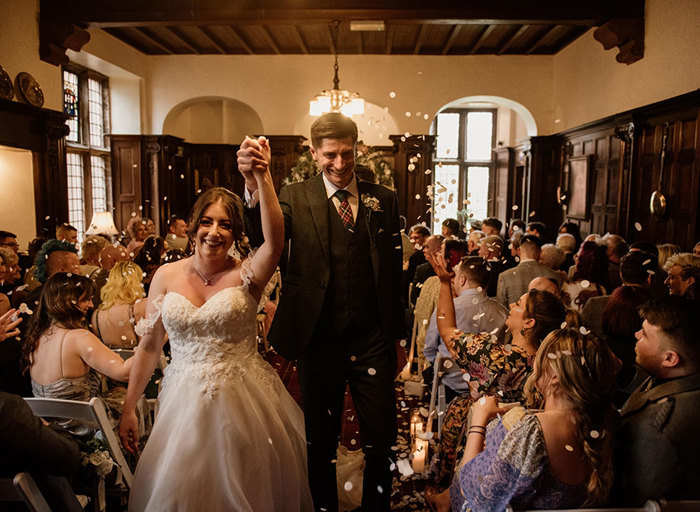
(512, 469)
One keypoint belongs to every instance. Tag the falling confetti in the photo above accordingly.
(392, 94)
(347, 486)
(551, 355)
(372, 371)
(515, 207)
(595, 434)
(585, 283)
(637, 226)
(569, 448)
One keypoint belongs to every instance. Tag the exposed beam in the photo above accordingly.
(539, 40)
(177, 32)
(360, 48)
(300, 40)
(270, 40)
(209, 37)
(155, 39)
(512, 39)
(123, 34)
(484, 34)
(183, 12)
(420, 39)
(239, 39)
(331, 44)
(451, 40)
(573, 35)
(389, 38)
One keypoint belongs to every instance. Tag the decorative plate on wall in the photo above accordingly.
(7, 91)
(29, 90)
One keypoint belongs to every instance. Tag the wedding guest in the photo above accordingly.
(9, 240)
(12, 380)
(64, 358)
(573, 229)
(491, 366)
(111, 255)
(537, 229)
(666, 251)
(696, 249)
(590, 278)
(659, 449)
(546, 285)
(122, 306)
(616, 249)
(33, 249)
(491, 226)
(490, 249)
(515, 225)
(567, 243)
(67, 233)
(177, 233)
(406, 246)
(138, 232)
(418, 236)
(90, 251)
(474, 240)
(512, 283)
(433, 245)
(5, 268)
(149, 258)
(553, 257)
(683, 272)
(560, 457)
(150, 226)
(450, 228)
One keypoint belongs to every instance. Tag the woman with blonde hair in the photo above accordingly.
(122, 306)
(559, 456)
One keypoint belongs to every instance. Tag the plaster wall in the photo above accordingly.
(16, 175)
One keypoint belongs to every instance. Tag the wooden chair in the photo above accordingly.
(92, 412)
(438, 403)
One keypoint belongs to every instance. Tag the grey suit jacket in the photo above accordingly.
(658, 446)
(304, 283)
(592, 314)
(513, 282)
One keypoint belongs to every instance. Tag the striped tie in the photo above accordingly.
(344, 209)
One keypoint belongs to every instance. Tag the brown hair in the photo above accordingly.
(233, 206)
(548, 312)
(475, 269)
(586, 370)
(59, 301)
(332, 126)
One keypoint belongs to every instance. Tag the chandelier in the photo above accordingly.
(337, 99)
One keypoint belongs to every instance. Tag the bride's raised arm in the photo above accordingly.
(146, 358)
(264, 263)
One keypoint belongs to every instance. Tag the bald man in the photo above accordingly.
(111, 255)
(545, 284)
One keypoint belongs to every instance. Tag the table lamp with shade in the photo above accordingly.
(102, 223)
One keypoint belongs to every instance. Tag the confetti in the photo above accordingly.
(569, 448)
(372, 371)
(112, 361)
(269, 440)
(379, 488)
(347, 486)
(595, 434)
(90, 349)
(408, 114)
(563, 325)
(637, 226)
(566, 352)
(392, 94)
(585, 283)
(551, 355)
(532, 213)
(515, 207)
(584, 331)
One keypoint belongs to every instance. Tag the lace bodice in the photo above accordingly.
(214, 344)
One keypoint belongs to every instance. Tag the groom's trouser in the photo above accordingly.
(367, 362)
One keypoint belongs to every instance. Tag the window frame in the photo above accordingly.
(461, 154)
(83, 147)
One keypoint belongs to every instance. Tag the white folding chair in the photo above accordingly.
(438, 403)
(92, 412)
(22, 488)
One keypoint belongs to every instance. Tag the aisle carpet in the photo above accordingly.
(407, 492)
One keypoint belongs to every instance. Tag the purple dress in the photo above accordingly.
(512, 469)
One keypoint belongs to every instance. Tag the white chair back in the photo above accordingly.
(22, 488)
(438, 403)
(92, 412)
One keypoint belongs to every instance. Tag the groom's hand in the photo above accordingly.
(129, 431)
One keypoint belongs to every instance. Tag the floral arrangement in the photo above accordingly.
(96, 457)
(369, 164)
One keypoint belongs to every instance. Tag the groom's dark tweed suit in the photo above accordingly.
(339, 314)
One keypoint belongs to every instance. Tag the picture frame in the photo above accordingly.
(578, 204)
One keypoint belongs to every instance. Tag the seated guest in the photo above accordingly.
(659, 449)
(67, 233)
(33, 249)
(636, 270)
(138, 232)
(490, 366)
(546, 285)
(658, 285)
(90, 254)
(47, 453)
(512, 283)
(560, 457)
(590, 278)
(510, 258)
(122, 306)
(64, 358)
(553, 257)
(567, 243)
(666, 251)
(490, 249)
(418, 234)
(433, 244)
(150, 226)
(683, 271)
(475, 313)
(572, 229)
(617, 248)
(473, 241)
(111, 255)
(150, 258)
(450, 228)
(537, 229)
(491, 226)
(515, 225)
(54, 256)
(177, 233)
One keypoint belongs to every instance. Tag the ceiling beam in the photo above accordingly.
(360, 46)
(300, 40)
(156, 40)
(239, 39)
(331, 44)
(214, 12)
(574, 33)
(270, 40)
(482, 37)
(420, 39)
(389, 39)
(177, 32)
(209, 37)
(512, 39)
(539, 40)
(125, 35)
(452, 38)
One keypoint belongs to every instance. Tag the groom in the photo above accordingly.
(340, 312)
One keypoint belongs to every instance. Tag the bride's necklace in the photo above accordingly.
(207, 280)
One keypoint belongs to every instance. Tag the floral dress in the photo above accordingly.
(491, 368)
(513, 469)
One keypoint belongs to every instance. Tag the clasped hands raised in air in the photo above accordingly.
(253, 159)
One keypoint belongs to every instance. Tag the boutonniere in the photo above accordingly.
(371, 203)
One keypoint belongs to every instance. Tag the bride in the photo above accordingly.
(228, 436)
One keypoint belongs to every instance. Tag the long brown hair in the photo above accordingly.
(548, 312)
(59, 304)
(234, 209)
(586, 369)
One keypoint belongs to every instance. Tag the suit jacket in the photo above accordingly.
(307, 269)
(512, 283)
(658, 446)
(592, 314)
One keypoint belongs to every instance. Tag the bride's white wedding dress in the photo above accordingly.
(228, 436)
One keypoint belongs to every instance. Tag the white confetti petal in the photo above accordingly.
(637, 226)
(372, 371)
(347, 486)
(595, 434)
(569, 448)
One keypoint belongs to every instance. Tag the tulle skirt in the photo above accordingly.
(239, 448)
